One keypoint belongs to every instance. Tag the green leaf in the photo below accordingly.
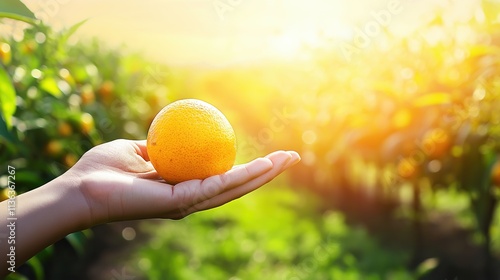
(46, 253)
(7, 97)
(16, 276)
(28, 177)
(15, 9)
(49, 85)
(37, 267)
(5, 133)
(77, 240)
(427, 266)
(71, 31)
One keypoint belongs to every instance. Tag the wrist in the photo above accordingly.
(71, 200)
(62, 200)
(47, 214)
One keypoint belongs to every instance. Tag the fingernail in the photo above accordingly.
(295, 156)
(294, 159)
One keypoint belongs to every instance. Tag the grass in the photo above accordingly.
(275, 232)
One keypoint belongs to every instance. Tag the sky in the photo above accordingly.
(218, 32)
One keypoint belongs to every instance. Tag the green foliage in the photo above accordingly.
(418, 113)
(274, 232)
(421, 109)
(7, 99)
(68, 98)
(15, 9)
(60, 99)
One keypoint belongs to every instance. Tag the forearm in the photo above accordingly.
(40, 218)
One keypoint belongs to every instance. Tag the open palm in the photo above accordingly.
(119, 183)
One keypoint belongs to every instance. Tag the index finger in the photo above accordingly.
(281, 161)
(192, 192)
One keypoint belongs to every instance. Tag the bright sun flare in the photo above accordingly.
(193, 31)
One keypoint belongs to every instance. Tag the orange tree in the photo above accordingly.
(58, 99)
(417, 113)
(425, 112)
(68, 98)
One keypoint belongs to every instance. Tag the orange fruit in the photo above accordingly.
(64, 129)
(69, 160)
(106, 88)
(87, 94)
(54, 148)
(28, 47)
(495, 174)
(407, 169)
(436, 143)
(190, 139)
(106, 91)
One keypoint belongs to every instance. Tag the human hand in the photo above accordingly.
(115, 181)
(119, 183)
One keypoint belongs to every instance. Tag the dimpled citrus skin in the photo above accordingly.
(190, 139)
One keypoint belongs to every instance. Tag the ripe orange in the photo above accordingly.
(64, 129)
(28, 47)
(407, 169)
(190, 139)
(54, 148)
(87, 94)
(436, 143)
(495, 174)
(69, 160)
(106, 91)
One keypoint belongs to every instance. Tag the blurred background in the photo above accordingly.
(394, 106)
